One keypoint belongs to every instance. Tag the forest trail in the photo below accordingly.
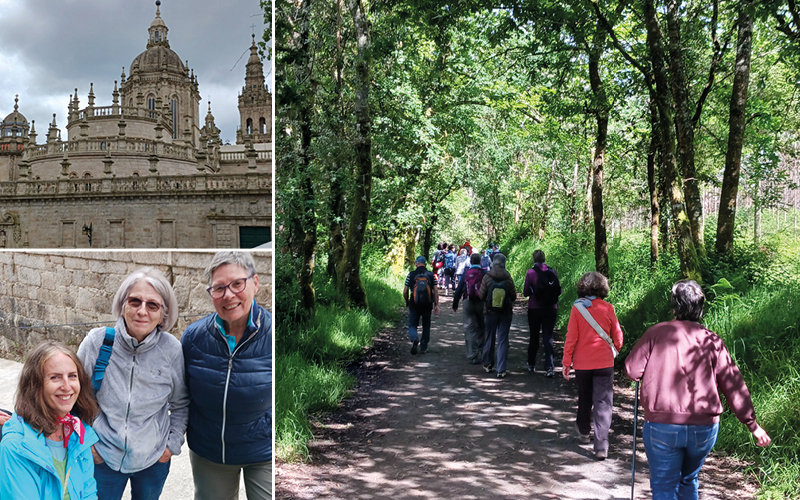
(434, 426)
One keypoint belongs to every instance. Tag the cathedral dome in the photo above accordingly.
(158, 58)
(15, 117)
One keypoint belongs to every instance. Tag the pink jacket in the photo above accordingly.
(683, 368)
(584, 349)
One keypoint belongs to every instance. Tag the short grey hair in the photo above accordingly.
(233, 257)
(593, 283)
(156, 279)
(499, 260)
(687, 300)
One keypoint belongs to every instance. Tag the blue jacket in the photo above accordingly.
(230, 409)
(27, 470)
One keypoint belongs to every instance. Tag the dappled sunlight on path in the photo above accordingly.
(433, 426)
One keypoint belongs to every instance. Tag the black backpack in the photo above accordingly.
(422, 290)
(547, 288)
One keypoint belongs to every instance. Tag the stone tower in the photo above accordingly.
(160, 82)
(255, 103)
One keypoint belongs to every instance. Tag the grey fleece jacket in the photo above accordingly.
(144, 403)
(497, 273)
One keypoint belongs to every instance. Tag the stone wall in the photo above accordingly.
(63, 295)
(149, 212)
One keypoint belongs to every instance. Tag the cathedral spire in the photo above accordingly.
(158, 30)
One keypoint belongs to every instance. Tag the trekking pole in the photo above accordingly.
(635, 417)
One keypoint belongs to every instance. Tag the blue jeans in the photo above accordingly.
(414, 315)
(497, 327)
(675, 454)
(145, 484)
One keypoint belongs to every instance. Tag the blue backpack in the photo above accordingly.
(102, 359)
(450, 260)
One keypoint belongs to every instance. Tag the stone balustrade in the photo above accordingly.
(143, 147)
(146, 185)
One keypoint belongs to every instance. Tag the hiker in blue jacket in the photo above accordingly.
(46, 451)
(143, 398)
(228, 356)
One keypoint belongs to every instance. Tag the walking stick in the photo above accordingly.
(635, 417)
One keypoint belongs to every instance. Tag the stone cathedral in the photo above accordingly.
(148, 171)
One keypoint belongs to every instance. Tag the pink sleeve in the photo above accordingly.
(572, 338)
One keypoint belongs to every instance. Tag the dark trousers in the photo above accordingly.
(595, 401)
(414, 316)
(546, 320)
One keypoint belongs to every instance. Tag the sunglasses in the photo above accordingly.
(151, 306)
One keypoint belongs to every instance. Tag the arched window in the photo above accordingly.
(173, 105)
(249, 126)
(262, 125)
(151, 105)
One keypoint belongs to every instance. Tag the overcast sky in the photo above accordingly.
(50, 47)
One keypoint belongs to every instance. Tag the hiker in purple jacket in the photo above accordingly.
(541, 314)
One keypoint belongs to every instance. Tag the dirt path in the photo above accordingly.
(434, 426)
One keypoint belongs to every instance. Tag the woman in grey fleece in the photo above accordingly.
(143, 397)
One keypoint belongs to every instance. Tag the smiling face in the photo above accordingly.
(140, 320)
(61, 384)
(234, 308)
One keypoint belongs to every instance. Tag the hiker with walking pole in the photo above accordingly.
(683, 367)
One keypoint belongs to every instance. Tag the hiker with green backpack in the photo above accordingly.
(498, 293)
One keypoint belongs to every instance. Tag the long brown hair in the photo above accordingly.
(31, 405)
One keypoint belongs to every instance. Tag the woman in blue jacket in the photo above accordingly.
(228, 358)
(46, 448)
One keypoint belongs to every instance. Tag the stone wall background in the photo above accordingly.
(58, 295)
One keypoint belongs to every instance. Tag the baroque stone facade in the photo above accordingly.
(61, 295)
(144, 172)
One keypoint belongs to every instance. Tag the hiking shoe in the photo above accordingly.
(549, 373)
(501, 374)
(531, 368)
(487, 368)
(601, 454)
(423, 351)
(583, 438)
(414, 347)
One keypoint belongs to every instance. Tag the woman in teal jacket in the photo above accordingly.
(46, 442)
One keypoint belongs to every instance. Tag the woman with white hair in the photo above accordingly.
(144, 403)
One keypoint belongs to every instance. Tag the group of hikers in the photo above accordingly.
(87, 423)
(683, 367)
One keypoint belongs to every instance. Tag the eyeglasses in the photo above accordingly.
(135, 303)
(236, 286)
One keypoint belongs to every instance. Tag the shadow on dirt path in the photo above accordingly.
(435, 426)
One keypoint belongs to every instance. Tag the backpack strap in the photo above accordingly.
(102, 359)
(593, 323)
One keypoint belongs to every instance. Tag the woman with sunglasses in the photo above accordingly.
(143, 397)
(228, 357)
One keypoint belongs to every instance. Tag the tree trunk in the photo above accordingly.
(690, 265)
(684, 126)
(598, 161)
(350, 284)
(546, 207)
(726, 218)
(337, 206)
(573, 199)
(652, 181)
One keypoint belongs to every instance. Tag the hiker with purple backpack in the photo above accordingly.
(542, 289)
(469, 291)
